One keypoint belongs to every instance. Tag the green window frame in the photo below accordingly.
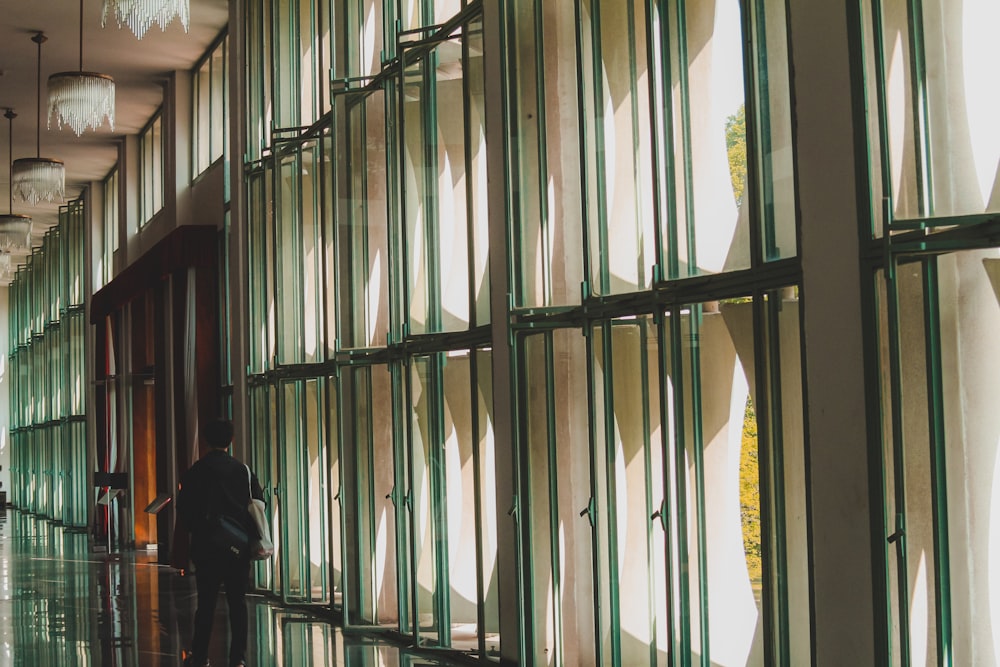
(48, 374)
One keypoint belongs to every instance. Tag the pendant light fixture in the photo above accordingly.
(81, 99)
(34, 179)
(140, 15)
(15, 230)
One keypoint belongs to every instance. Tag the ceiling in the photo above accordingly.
(138, 66)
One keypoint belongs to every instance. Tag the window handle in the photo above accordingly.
(661, 514)
(589, 511)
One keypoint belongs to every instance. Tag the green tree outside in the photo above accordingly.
(736, 148)
(750, 494)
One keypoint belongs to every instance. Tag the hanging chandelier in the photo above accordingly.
(15, 230)
(34, 179)
(140, 15)
(81, 99)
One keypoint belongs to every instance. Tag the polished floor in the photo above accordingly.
(63, 605)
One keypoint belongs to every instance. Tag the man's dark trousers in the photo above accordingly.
(209, 575)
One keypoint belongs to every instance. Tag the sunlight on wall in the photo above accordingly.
(310, 315)
(380, 551)
(895, 86)
(731, 608)
(374, 299)
(369, 28)
(982, 95)
(993, 557)
(919, 626)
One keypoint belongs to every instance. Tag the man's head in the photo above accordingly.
(218, 433)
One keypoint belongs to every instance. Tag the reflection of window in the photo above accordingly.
(210, 95)
(151, 169)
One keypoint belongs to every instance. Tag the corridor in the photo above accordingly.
(62, 605)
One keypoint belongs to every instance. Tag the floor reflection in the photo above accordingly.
(61, 604)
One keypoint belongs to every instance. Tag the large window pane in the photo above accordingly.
(362, 184)
(617, 145)
(299, 269)
(443, 195)
(296, 63)
(302, 501)
(626, 387)
(939, 100)
(712, 232)
(556, 511)
(774, 132)
(374, 495)
(941, 455)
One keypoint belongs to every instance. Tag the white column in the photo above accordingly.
(837, 472)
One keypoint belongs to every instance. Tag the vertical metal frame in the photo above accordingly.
(335, 438)
(402, 472)
(684, 89)
(661, 115)
(770, 444)
(592, 192)
(591, 511)
(478, 491)
(261, 454)
(939, 476)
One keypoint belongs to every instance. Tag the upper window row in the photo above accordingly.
(210, 96)
(932, 76)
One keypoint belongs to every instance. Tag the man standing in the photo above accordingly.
(218, 486)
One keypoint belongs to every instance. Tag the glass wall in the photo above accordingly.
(641, 204)
(934, 312)
(48, 385)
(662, 509)
(669, 497)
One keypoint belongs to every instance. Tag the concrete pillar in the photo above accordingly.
(844, 622)
(500, 285)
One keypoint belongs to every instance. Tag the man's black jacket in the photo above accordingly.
(216, 485)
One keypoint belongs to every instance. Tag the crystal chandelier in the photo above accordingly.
(140, 15)
(34, 179)
(15, 230)
(81, 99)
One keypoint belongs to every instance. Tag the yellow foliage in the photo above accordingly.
(750, 492)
